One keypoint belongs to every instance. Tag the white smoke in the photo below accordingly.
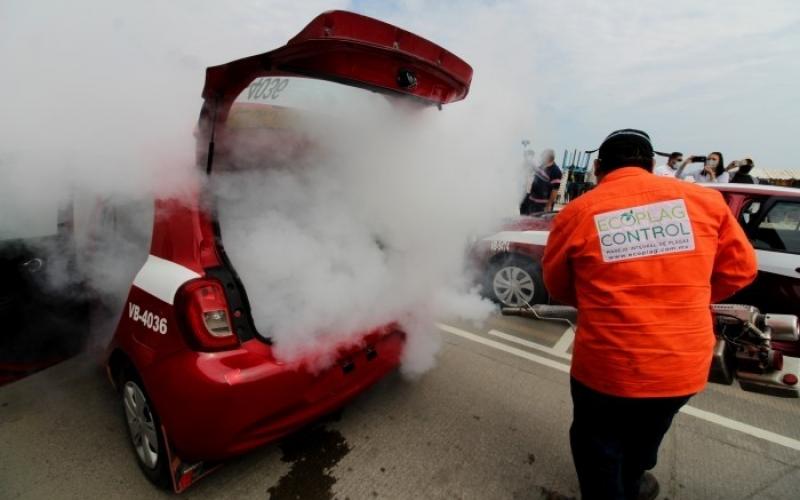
(102, 105)
(369, 226)
(100, 100)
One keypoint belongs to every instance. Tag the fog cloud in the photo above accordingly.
(101, 100)
(368, 224)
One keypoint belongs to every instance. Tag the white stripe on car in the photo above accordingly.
(527, 237)
(161, 278)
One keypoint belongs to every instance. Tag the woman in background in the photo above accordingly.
(713, 170)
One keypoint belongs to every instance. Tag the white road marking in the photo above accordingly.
(503, 347)
(565, 341)
(532, 345)
(708, 416)
(742, 427)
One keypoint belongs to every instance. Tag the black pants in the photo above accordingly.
(528, 207)
(614, 440)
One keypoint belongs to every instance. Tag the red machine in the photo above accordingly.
(199, 383)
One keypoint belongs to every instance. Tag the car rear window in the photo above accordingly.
(279, 121)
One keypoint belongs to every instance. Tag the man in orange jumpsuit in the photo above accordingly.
(642, 257)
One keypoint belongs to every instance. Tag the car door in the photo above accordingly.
(42, 308)
(773, 226)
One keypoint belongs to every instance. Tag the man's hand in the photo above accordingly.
(552, 201)
(686, 161)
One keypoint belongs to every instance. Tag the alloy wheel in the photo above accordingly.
(141, 424)
(513, 286)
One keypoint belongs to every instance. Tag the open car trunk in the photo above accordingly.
(267, 123)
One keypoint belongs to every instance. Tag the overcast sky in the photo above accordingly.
(698, 76)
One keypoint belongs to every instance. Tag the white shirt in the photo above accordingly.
(693, 170)
(720, 179)
(664, 171)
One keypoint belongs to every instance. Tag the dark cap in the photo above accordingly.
(626, 147)
(628, 139)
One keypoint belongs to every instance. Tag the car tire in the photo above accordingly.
(513, 280)
(144, 430)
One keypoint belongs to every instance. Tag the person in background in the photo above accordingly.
(643, 285)
(669, 169)
(546, 181)
(575, 183)
(712, 170)
(530, 167)
(742, 176)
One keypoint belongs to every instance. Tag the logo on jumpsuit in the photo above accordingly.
(643, 231)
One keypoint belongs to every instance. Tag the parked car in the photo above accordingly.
(198, 381)
(510, 260)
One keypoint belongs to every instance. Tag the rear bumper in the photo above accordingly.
(217, 405)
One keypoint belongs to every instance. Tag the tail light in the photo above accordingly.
(202, 306)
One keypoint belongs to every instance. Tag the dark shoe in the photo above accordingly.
(648, 487)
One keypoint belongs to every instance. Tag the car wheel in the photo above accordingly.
(144, 430)
(515, 281)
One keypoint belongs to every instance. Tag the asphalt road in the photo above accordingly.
(490, 421)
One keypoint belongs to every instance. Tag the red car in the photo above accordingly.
(770, 215)
(198, 382)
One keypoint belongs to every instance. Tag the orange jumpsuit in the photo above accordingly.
(642, 257)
